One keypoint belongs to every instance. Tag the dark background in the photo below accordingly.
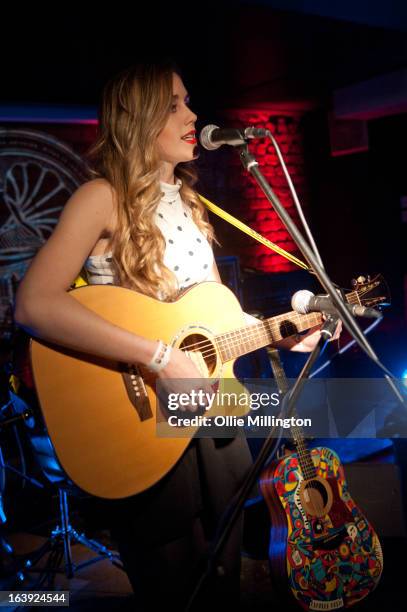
(245, 54)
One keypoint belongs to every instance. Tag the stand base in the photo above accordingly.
(58, 545)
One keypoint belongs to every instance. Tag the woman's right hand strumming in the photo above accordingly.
(181, 375)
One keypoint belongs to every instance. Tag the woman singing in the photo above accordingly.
(139, 223)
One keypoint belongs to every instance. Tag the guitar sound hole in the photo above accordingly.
(316, 496)
(287, 328)
(198, 342)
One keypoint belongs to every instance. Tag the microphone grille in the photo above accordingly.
(253, 132)
(300, 301)
(205, 138)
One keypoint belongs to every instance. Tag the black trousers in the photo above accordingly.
(163, 534)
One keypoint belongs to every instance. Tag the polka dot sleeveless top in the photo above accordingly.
(188, 254)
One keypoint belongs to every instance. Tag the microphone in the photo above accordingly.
(212, 137)
(305, 301)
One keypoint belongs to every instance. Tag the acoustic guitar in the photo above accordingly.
(102, 416)
(321, 544)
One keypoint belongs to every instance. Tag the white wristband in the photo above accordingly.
(160, 358)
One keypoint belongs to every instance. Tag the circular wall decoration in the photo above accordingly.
(38, 174)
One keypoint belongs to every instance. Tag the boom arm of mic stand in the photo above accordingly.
(251, 165)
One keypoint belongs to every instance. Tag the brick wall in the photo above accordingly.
(238, 193)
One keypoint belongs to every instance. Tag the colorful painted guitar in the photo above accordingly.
(102, 416)
(320, 541)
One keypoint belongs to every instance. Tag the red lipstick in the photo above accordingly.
(190, 137)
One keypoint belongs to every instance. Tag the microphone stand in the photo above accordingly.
(267, 451)
(251, 165)
(235, 507)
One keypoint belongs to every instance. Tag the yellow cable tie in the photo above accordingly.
(248, 230)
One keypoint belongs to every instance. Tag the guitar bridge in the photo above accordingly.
(137, 392)
(329, 542)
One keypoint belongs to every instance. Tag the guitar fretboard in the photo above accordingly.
(303, 453)
(251, 337)
(238, 342)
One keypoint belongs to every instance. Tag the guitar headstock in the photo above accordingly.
(372, 290)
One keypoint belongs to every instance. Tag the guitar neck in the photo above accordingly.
(303, 453)
(234, 344)
(251, 337)
(246, 339)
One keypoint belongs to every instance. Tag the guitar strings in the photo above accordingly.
(257, 332)
(307, 467)
(249, 330)
(242, 336)
(247, 333)
(252, 330)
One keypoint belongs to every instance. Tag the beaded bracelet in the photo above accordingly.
(160, 358)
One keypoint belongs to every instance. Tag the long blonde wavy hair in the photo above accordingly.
(134, 109)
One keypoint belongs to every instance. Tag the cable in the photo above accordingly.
(296, 200)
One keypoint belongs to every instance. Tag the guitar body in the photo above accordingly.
(104, 435)
(102, 416)
(320, 542)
